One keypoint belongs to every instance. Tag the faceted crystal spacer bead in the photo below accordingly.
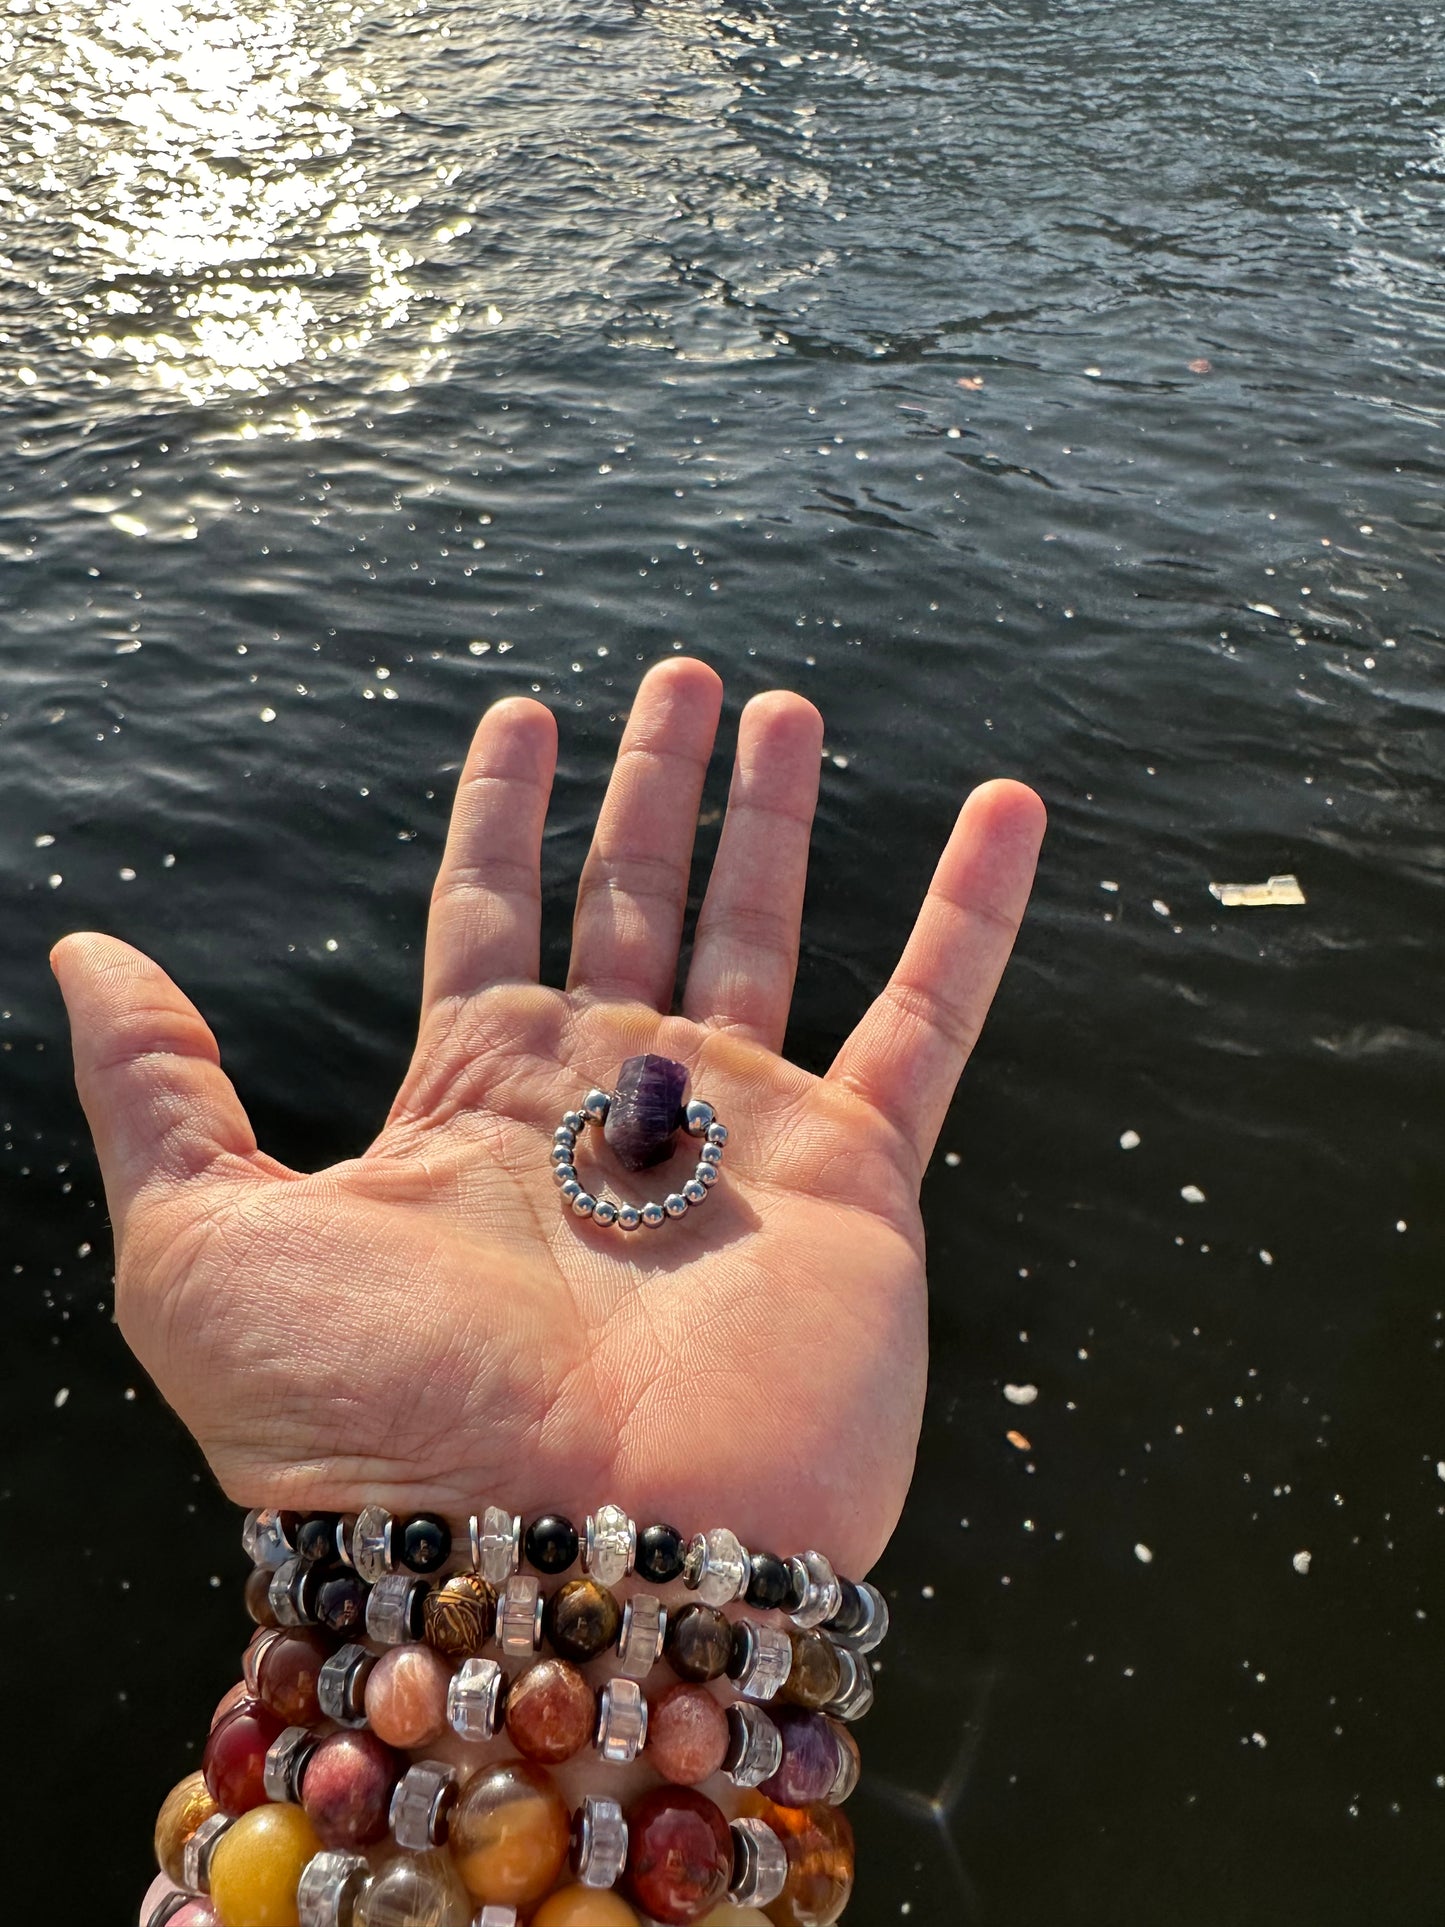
(423, 1544)
(817, 1588)
(286, 1761)
(496, 1544)
(760, 1864)
(621, 1721)
(394, 1609)
(755, 1746)
(371, 1543)
(329, 1889)
(291, 1594)
(610, 1545)
(660, 1554)
(264, 1538)
(762, 1659)
(643, 1636)
(199, 1849)
(551, 1543)
(519, 1617)
(855, 1686)
(496, 1914)
(861, 1621)
(599, 1842)
(422, 1804)
(476, 1699)
(696, 1117)
(341, 1685)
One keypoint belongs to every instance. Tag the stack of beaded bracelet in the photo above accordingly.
(342, 1786)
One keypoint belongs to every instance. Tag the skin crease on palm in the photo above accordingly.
(424, 1326)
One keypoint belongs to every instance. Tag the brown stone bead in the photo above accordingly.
(819, 1844)
(687, 1735)
(457, 1618)
(406, 1695)
(551, 1712)
(699, 1643)
(816, 1672)
(509, 1834)
(347, 1788)
(235, 1696)
(287, 1673)
(258, 1596)
(582, 1619)
(185, 1807)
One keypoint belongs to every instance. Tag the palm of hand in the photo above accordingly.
(425, 1326)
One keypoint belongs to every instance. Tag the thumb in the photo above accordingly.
(160, 1108)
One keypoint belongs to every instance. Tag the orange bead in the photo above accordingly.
(591, 1907)
(185, 1807)
(510, 1833)
(819, 1844)
(257, 1865)
(406, 1696)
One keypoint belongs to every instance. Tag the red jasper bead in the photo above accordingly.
(286, 1676)
(679, 1855)
(234, 1762)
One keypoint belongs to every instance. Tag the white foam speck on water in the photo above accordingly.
(1301, 1562)
(127, 875)
(1161, 908)
(61, 1396)
(1144, 1554)
(1400, 1225)
(1129, 1140)
(1020, 1394)
(1266, 1257)
(1110, 886)
(1263, 609)
(268, 715)
(1440, 1469)
(1191, 1194)
(331, 944)
(44, 842)
(927, 1592)
(56, 880)
(952, 1159)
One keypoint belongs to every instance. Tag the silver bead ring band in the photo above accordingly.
(698, 1121)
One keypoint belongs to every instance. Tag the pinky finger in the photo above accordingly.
(908, 1052)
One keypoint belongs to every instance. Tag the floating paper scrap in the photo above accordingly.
(1276, 893)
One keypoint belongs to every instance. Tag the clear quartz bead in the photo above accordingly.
(341, 1685)
(717, 1566)
(421, 1805)
(611, 1545)
(196, 1856)
(496, 1913)
(263, 1538)
(767, 1660)
(760, 1864)
(415, 1890)
(822, 1595)
(599, 1842)
(329, 1887)
(519, 1616)
(371, 1543)
(391, 1608)
(284, 1593)
(643, 1635)
(285, 1762)
(855, 1687)
(496, 1544)
(755, 1746)
(475, 1699)
(621, 1721)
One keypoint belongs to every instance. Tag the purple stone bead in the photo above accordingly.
(646, 1110)
(810, 1758)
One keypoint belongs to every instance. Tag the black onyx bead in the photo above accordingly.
(797, 1586)
(341, 1603)
(768, 1580)
(660, 1551)
(852, 1615)
(551, 1543)
(316, 1536)
(423, 1544)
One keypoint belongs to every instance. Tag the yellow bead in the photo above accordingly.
(257, 1864)
(186, 1806)
(590, 1907)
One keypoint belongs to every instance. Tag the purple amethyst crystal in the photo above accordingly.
(810, 1758)
(646, 1110)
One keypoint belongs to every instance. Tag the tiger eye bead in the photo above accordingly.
(815, 1673)
(551, 1712)
(457, 1618)
(582, 1619)
(258, 1596)
(510, 1834)
(186, 1805)
(819, 1844)
(699, 1643)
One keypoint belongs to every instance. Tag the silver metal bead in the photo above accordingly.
(621, 1721)
(710, 1154)
(421, 1806)
(599, 1842)
(196, 1855)
(284, 1593)
(850, 1767)
(575, 1122)
(760, 1864)
(874, 1629)
(762, 1659)
(694, 1192)
(519, 1616)
(563, 1153)
(628, 1217)
(285, 1762)
(345, 1527)
(698, 1116)
(643, 1635)
(570, 1189)
(564, 1137)
(341, 1685)
(717, 1134)
(565, 1174)
(755, 1746)
(392, 1608)
(609, 1545)
(855, 1687)
(716, 1567)
(584, 1204)
(675, 1204)
(705, 1174)
(496, 1541)
(597, 1104)
(476, 1698)
(605, 1212)
(371, 1543)
(264, 1538)
(653, 1215)
(329, 1889)
(818, 1584)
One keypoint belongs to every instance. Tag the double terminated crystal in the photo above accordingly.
(646, 1110)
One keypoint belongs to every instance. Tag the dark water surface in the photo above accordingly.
(361, 364)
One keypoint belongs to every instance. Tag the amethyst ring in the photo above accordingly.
(640, 1121)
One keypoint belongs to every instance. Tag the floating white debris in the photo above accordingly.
(1144, 1555)
(1263, 609)
(1161, 909)
(331, 943)
(44, 842)
(1301, 1562)
(268, 715)
(56, 880)
(1191, 1194)
(128, 648)
(61, 1396)
(1129, 1140)
(1266, 1257)
(1440, 1469)
(1109, 885)
(1020, 1394)
(128, 525)
(1400, 1225)
(952, 1159)
(1275, 893)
